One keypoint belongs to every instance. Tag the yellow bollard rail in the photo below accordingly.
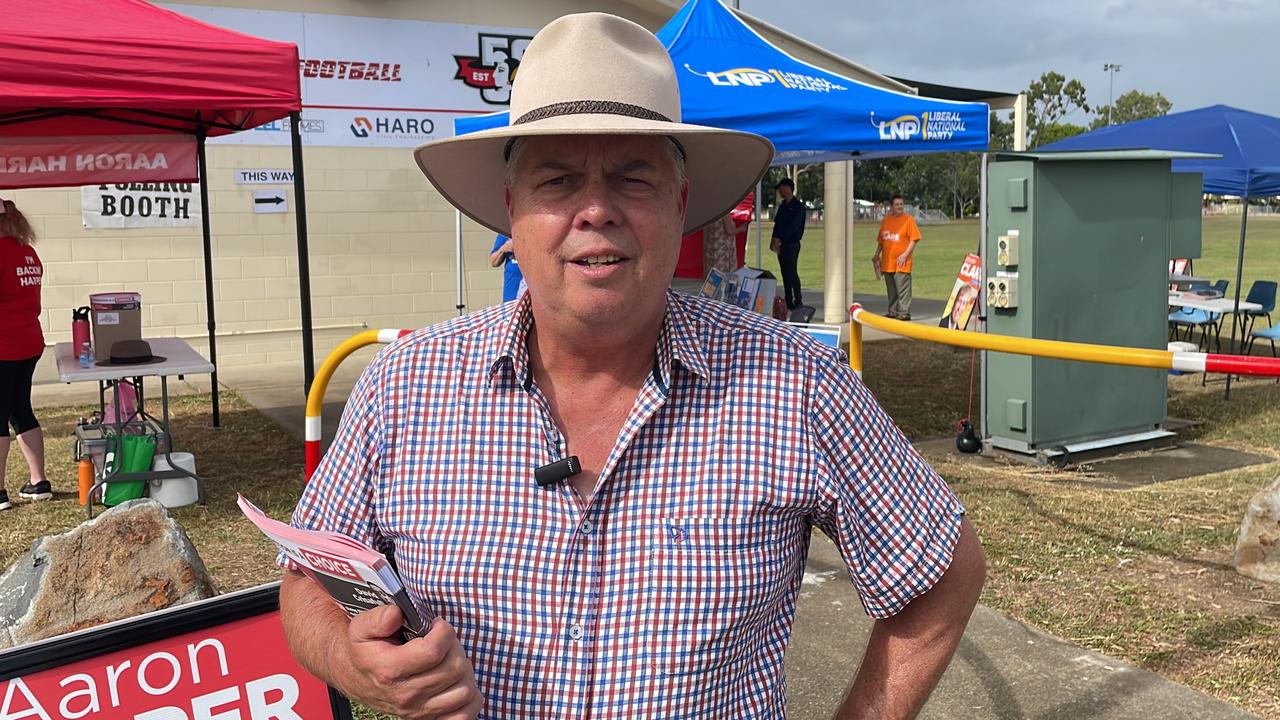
(315, 398)
(1085, 352)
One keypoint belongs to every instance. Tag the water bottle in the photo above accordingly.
(85, 349)
(84, 477)
(92, 358)
(80, 327)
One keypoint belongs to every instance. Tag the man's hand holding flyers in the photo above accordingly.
(427, 677)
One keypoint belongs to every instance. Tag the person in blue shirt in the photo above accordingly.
(788, 227)
(512, 279)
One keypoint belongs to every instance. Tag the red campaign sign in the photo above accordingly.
(241, 670)
(30, 162)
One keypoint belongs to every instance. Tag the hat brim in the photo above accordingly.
(722, 165)
(129, 363)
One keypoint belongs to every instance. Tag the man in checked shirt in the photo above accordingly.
(660, 581)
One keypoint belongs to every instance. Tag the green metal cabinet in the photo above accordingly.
(1085, 240)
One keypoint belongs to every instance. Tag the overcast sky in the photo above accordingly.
(1195, 52)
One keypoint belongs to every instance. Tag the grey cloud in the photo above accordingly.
(1196, 53)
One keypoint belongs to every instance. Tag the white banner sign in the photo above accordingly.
(264, 177)
(374, 82)
(270, 201)
(139, 205)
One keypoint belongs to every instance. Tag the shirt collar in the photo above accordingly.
(508, 350)
(678, 342)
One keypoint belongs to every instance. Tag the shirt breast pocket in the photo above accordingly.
(714, 589)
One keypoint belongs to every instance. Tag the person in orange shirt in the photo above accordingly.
(895, 244)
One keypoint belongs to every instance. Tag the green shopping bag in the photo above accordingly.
(135, 456)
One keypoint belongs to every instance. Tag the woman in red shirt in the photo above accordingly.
(21, 344)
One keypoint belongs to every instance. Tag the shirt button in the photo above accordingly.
(575, 631)
(586, 527)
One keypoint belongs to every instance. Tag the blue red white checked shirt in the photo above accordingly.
(672, 593)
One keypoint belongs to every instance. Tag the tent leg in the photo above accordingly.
(979, 323)
(759, 227)
(851, 207)
(208, 276)
(304, 255)
(461, 302)
(1235, 316)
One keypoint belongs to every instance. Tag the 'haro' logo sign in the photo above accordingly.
(361, 126)
(494, 69)
(330, 565)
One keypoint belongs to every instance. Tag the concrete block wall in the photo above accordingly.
(381, 244)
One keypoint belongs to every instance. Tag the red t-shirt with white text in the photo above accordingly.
(20, 274)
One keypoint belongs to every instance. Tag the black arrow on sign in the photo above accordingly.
(273, 200)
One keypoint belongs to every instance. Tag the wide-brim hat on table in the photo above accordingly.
(130, 352)
(595, 74)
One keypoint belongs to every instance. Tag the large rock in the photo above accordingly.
(130, 560)
(1258, 546)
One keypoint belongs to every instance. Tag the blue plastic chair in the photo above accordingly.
(1262, 292)
(1271, 334)
(1188, 319)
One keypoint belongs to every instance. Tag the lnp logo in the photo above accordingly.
(937, 125)
(738, 76)
(361, 126)
(903, 127)
(494, 69)
(752, 77)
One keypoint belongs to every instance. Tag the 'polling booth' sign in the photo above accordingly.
(140, 204)
(220, 658)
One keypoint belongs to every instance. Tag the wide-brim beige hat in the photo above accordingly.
(596, 74)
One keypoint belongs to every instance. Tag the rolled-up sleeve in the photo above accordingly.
(893, 518)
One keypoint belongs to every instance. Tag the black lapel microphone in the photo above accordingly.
(549, 475)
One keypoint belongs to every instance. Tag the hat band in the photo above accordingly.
(589, 107)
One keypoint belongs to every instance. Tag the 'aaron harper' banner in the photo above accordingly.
(217, 659)
(31, 162)
(140, 205)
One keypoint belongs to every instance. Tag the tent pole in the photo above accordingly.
(759, 225)
(208, 275)
(304, 255)
(851, 207)
(979, 323)
(1235, 315)
(460, 303)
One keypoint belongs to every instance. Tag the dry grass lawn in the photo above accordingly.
(1142, 574)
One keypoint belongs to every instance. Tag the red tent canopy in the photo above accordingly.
(115, 67)
(97, 91)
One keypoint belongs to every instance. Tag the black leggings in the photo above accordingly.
(15, 395)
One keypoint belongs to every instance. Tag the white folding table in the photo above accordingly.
(179, 359)
(1221, 306)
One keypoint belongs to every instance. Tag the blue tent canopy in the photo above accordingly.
(1248, 142)
(730, 77)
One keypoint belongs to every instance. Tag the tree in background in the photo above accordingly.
(808, 179)
(1054, 132)
(1001, 132)
(1049, 100)
(949, 181)
(1133, 105)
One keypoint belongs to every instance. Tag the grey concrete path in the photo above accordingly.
(1004, 670)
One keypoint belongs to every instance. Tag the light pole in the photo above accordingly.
(1112, 69)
